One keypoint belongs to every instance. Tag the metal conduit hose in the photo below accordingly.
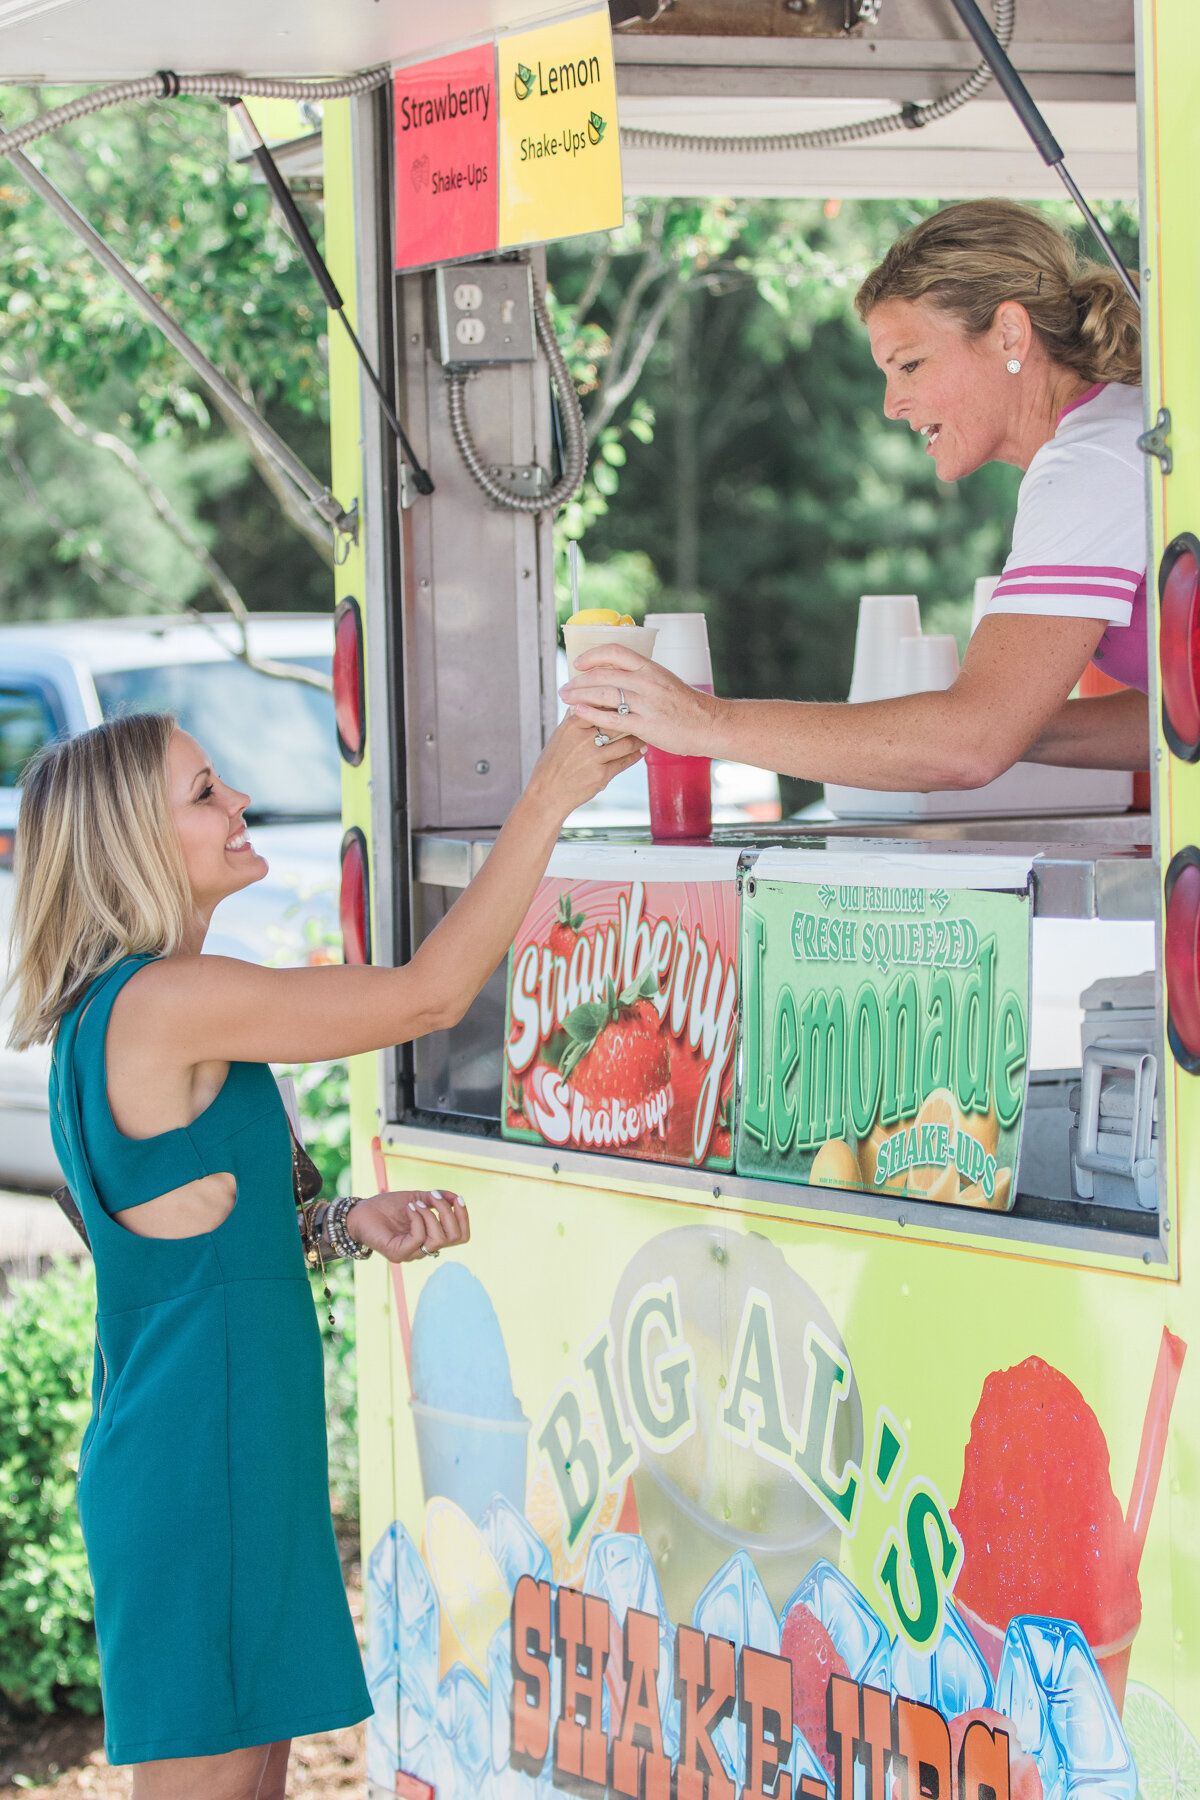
(574, 431)
(166, 85)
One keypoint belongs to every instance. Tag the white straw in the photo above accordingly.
(573, 557)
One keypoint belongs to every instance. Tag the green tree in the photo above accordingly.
(101, 422)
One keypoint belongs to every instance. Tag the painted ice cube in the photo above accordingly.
(463, 1719)
(953, 1676)
(510, 1784)
(499, 1690)
(1056, 1697)
(858, 1633)
(621, 1571)
(513, 1542)
(734, 1605)
(804, 1761)
(404, 1621)
(382, 1757)
(425, 1753)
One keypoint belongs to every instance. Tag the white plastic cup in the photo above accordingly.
(985, 587)
(883, 619)
(578, 638)
(927, 664)
(682, 647)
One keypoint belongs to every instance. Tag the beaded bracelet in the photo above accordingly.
(338, 1233)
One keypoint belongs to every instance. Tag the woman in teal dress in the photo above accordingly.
(220, 1612)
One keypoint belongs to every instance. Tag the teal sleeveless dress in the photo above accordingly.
(203, 1487)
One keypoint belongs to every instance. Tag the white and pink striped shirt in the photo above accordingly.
(1079, 540)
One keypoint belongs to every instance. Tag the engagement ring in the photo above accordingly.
(602, 738)
(622, 708)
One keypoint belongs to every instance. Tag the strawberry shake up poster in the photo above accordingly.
(621, 1020)
(445, 130)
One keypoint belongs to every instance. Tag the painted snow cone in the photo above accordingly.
(472, 1434)
(1042, 1530)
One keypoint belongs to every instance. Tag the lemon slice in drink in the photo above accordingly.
(597, 615)
(1166, 1753)
(473, 1593)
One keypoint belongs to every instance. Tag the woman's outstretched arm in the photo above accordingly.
(187, 1010)
(1106, 731)
(1016, 675)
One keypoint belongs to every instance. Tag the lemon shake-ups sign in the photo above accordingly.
(886, 1037)
(560, 160)
(507, 144)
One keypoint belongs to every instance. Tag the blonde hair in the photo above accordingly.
(99, 870)
(969, 258)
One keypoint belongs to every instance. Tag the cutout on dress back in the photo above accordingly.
(196, 1209)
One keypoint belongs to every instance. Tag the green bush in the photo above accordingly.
(47, 1638)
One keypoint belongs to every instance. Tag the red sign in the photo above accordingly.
(447, 192)
(622, 1019)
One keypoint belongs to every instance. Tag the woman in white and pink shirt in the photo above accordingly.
(998, 343)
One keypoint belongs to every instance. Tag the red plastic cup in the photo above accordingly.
(680, 795)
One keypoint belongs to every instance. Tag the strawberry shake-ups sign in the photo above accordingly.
(447, 194)
(621, 1019)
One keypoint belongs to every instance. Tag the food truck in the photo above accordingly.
(811, 1412)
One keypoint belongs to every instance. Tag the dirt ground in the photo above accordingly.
(62, 1757)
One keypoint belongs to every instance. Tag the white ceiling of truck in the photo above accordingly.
(1076, 56)
(109, 40)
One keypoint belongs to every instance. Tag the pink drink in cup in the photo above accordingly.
(681, 786)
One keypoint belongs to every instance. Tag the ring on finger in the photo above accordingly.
(602, 738)
(622, 705)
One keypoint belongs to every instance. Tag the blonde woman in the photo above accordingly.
(203, 1492)
(997, 344)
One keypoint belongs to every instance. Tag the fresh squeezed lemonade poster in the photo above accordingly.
(631, 1578)
(622, 1011)
(885, 1038)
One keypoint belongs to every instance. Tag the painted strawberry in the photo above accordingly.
(687, 1073)
(720, 1148)
(615, 1047)
(564, 933)
(810, 1650)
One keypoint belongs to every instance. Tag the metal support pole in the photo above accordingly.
(314, 491)
(1044, 141)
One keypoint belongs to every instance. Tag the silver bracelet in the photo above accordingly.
(334, 1224)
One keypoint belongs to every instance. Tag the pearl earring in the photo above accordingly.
(1013, 366)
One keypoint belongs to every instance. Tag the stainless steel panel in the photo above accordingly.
(1086, 880)
(851, 1211)
(459, 1072)
(478, 590)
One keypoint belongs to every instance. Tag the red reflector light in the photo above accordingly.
(349, 687)
(354, 899)
(1181, 955)
(1179, 644)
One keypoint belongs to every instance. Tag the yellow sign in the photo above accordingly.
(560, 159)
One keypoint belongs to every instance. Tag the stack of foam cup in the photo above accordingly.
(928, 663)
(681, 786)
(883, 620)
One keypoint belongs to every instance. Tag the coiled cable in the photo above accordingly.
(574, 431)
(909, 117)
